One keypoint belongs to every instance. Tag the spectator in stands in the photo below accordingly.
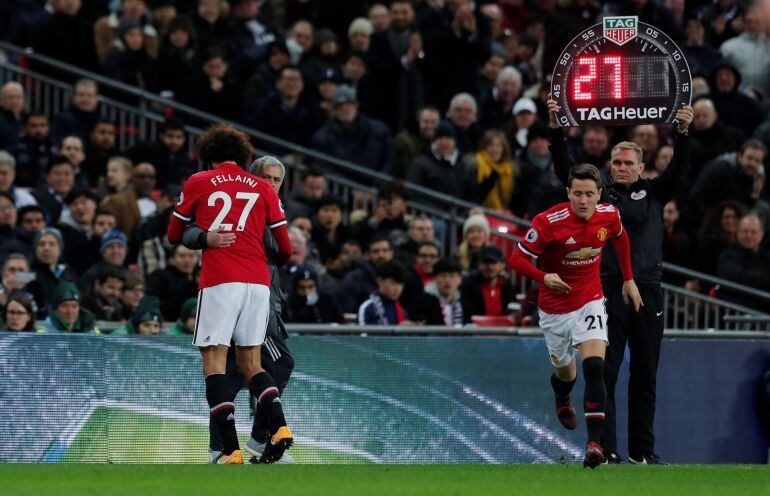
(15, 277)
(379, 16)
(383, 306)
(262, 81)
(113, 250)
(497, 106)
(524, 117)
(495, 171)
(30, 220)
(388, 219)
(410, 144)
(726, 179)
(80, 117)
(8, 217)
(458, 38)
(328, 82)
(104, 221)
(747, 262)
(749, 52)
(654, 13)
(359, 34)
(299, 242)
(118, 176)
(81, 244)
(594, 148)
(420, 231)
(176, 282)
(132, 294)
(167, 154)
(146, 320)
(525, 59)
(302, 201)
(488, 291)
(107, 29)
(102, 297)
(462, 116)
(701, 55)
(420, 275)
(163, 12)
(60, 180)
(66, 37)
(66, 314)
(350, 135)
(308, 304)
(396, 82)
(443, 303)
(209, 23)
(148, 241)
(359, 283)
(442, 170)
(486, 79)
(710, 138)
(48, 266)
(329, 232)
(21, 197)
(299, 39)
(136, 203)
(72, 148)
(18, 315)
(11, 113)
(677, 244)
(33, 151)
(287, 113)
(177, 57)
(101, 145)
(534, 170)
(733, 107)
(355, 75)
(717, 233)
(246, 28)
(476, 232)
(646, 136)
(128, 61)
(185, 324)
(214, 90)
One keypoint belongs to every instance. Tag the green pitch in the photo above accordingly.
(362, 480)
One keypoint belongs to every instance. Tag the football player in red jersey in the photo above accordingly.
(568, 240)
(234, 297)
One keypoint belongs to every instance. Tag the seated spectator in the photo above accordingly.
(59, 181)
(733, 107)
(379, 17)
(246, 29)
(8, 218)
(488, 291)
(389, 219)
(359, 34)
(264, 79)
(677, 245)
(21, 197)
(146, 319)
(127, 60)
(749, 52)
(534, 169)
(72, 148)
(347, 260)
(327, 85)
(442, 303)
(34, 150)
(410, 144)
(497, 106)
(350, 135)
(214, 91)
(359, 283)
(524, 117)
(66, 314)
(80, 117)
(48, 267)
(709, 137)
(329, 233)
(118, 176)
(476, 232)
(167, 154)
(15, 277)
(442, 170)
(495, 171)
(11, 113)
(148, 241)
(113, 249)
(701, 55)
(354, 74)
(716, 234)
(209, 22)
(81, 244)
(107, 29)
(177, 57)
(302, 201)
(102, 297)
(299, 243)
(308, 304)
(648, 139)
(136, 203)
(101, 145)
(132, 294)
(325, 56)
(176, 282)
(299, 39)
(747, 263)
(420, 275)
(383, 306)
(30, 221)
(185, 324)
(594, 147)
(420, 231)
(18, 315)
(462, 116)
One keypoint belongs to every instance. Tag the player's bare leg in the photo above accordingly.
(562, 381)
(594, 398)
(220, 401)
(262, 386)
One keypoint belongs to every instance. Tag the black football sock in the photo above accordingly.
(594, 397)
(268, 400)
(561, 388)
(215, 438)
(222, 411)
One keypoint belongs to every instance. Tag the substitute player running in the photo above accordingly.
(568, 240)
(234, 297)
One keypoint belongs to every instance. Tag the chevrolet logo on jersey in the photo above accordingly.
(584, 253)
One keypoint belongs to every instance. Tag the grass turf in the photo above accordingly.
(358, 480)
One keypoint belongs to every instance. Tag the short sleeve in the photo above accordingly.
(275, 215)
(185, 207)
(533, 241)
(617, 224)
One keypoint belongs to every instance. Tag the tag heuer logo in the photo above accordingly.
(620, 30)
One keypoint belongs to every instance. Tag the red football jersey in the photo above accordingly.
(570, 246)
(231, 198)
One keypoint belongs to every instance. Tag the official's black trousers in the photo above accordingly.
(643, 332)
(278, 362)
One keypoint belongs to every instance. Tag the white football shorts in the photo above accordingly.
(235, 311)
(564, 331)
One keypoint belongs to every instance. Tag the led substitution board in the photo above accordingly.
(621, 72)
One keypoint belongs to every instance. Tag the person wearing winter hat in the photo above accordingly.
(359, 34)
(113, 249)
(307, 302)
(146, 319)
(185, 324)
(476, 232)
(66, 314)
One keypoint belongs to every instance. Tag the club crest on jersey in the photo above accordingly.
(620, 29)
(531, 235)
(638, 195)
(601, 233)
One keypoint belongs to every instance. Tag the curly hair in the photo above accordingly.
(223, 143)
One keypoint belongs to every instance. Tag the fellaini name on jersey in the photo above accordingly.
(226, 178)
(620, 113)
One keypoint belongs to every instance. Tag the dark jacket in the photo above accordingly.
(45, 282)
(172, 288)
(641, 209)
(80, 249)
(296, 124)
(32, 159)
(67, 39)
(323, 311)
(358, 284)
(329, 248)
(473, 298)
(101, 309)
(132, 68)
(10, 129)
(50, 201)
(365, 142)
(73, 121)
(734, 108)
(441, 176)
(720, 181)
(709, 143)
(750, 268)
(171, 168)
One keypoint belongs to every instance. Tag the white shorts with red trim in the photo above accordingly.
(235, 311)
(564, 331)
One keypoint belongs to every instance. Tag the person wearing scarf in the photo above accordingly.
(495, 171)
(383, 307)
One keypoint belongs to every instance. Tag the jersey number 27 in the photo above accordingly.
(227, 204)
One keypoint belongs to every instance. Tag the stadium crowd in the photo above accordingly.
(446, 94)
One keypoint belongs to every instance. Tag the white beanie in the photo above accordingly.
(476, 221)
